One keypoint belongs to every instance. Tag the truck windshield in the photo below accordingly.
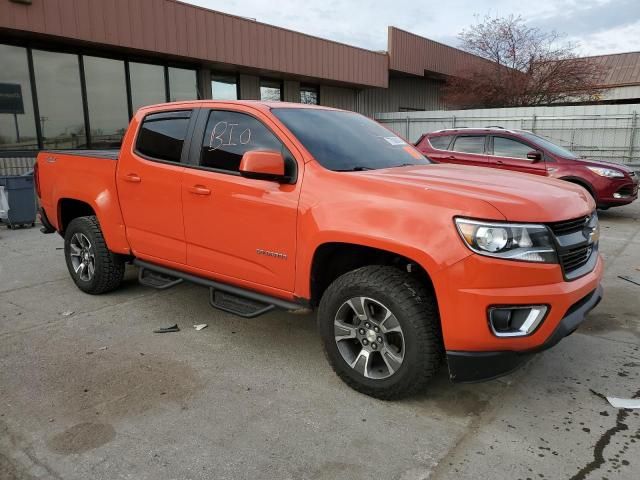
(346, 141)
(549, 146)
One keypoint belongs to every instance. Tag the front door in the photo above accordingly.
(238, 227)
(511, 154)
(149, 187)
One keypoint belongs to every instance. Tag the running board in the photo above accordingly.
(241, 306)
(229, 298)
(153, 279)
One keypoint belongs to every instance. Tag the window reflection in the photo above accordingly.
(309, 94)
(270, 90)
(224, 87)
(59, 99)
(17, 122)
(147, 84)
(107, 101)
(182, 84)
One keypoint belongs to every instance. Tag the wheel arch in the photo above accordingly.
(332, 259)
(109, 218)
(70, 209)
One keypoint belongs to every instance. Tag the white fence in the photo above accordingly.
(600, 132)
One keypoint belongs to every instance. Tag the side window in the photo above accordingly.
(229, 135)
(469, 144)
(441, 143)
(161, 135)
(506, 147)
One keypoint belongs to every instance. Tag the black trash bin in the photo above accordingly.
(18, 201)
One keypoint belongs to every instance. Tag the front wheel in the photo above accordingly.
(93, 268)
(381, 331)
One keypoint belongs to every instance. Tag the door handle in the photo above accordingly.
(132, 177)
(451, 157)
(199, 190)
(499, 162)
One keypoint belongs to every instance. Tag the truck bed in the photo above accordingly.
(87, 179)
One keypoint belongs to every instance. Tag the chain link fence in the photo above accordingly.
(601, 132)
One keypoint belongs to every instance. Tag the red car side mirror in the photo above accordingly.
(534, 156)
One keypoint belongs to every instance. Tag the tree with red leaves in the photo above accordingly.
(526, 67)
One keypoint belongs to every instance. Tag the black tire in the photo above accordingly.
(109, 267)
(416, 311)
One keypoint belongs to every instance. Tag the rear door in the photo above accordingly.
(468, 150)
(509, 153)
(437, 147)
(149, 186)
(237, 227)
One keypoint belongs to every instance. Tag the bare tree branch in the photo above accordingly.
(529, 67)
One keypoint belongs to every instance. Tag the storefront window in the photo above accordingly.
(183, 84)
(224, 87)
(59, 99)
(147, 84)
(270, 90)
(17, 121)
(61, 79)
(107, 101)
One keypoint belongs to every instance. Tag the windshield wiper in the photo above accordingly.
(357, 168)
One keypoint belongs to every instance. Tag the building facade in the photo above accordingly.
(74, 71)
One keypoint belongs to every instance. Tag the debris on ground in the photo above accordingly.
(103, 348)
(624, 402)
(172, 328)
(200, 326)
(68, 313)
(629, 279)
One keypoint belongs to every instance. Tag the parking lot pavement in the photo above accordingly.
(87, 391)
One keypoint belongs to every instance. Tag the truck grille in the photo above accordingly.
(577, 251)
(569, 226)
(575, 258)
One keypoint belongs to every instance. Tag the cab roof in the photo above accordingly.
(259, 104)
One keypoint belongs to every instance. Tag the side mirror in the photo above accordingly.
(534, 155)
(263, 165)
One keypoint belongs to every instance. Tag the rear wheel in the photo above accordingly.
(381, 331)
(93, 268)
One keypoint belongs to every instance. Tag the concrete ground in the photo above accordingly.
(87, 391)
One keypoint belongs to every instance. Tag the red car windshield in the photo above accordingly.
(549, 146)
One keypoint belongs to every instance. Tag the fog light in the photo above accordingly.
(516, 321)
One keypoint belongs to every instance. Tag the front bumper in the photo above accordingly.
(469, 288)
(481, 366)
(617, 192)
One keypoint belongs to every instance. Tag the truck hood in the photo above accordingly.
(517, 196)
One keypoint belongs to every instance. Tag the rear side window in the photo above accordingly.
(229, 135)
(441, 143)
(469, 144)
(162, 135)
(507, 147)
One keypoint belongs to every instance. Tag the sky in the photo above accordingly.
(597, 26)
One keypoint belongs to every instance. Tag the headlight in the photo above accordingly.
(525, 242)
(607, 172)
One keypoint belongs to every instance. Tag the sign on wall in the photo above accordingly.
(11, 98)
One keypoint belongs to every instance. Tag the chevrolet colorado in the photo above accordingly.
(291, 206)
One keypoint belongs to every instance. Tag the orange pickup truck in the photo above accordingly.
(290, 206)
